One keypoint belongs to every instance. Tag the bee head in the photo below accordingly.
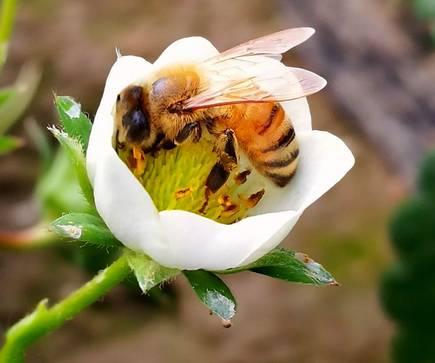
(131, 118)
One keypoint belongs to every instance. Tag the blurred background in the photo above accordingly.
(378, 58)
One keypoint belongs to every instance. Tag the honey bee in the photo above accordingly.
(234, 96)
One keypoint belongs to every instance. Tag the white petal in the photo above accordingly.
(126, 207)
(186, 50)
(121, 201)
(125, 71)
(324, 160)
(197, 242)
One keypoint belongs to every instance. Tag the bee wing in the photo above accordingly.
(259, 83)
(272, 45)
(252, 72)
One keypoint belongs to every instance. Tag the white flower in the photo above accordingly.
(184, 240)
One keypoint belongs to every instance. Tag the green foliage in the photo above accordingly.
(90, 258)
(58, 190)
(74, 150)
(85, 228)
(15, 100)
(424, 9)
(213, 293)
(413, 347)
(64, 188)
(89, 228)
(408, 287)
(45, 319)
(426, 180)
(8, 143)
(74, 121)
(289, 266)
(412, 231)
(148, 272)
(64, 185)
(39, 137)
(6, 93)
(7, 18)
(406, 297)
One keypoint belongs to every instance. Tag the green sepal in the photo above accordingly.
(289, 266)
(73, 120)
(74, 150)
(58, 190)
(86, 228)
(213, 293)
(8, 144)
(148, 272)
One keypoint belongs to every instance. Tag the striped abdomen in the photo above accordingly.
(267, 136)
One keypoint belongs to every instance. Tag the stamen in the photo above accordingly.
(139, 157)
(253, 199)
(242, 177)
(184, 192)
(176, 179)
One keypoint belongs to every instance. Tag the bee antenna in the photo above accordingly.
(118, 53)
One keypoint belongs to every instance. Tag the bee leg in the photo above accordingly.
(168, 145)
(193, 128)
(230, 147)
(217, 177)
(227, 160)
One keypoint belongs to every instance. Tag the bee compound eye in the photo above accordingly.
(137, 124)
(118, 98)
(160, 86)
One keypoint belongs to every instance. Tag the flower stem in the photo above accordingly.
(33, 237)
(44, 320)
(7, 17)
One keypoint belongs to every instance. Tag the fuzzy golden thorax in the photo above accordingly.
(166, 93)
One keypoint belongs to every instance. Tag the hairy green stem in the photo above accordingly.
(7, 17)
(44, 320)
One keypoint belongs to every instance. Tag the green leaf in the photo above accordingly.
(7, 18)
(148, 272)
(213, 293)
(426, 176)
(74, 150)
(424, 9)
(39, 137)
(6, 93)
(58, 190)
(73, 120)
(8, 143)
(289, 266)
(17, 101)
(86, 228)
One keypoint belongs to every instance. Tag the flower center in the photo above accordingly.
(176, 179)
